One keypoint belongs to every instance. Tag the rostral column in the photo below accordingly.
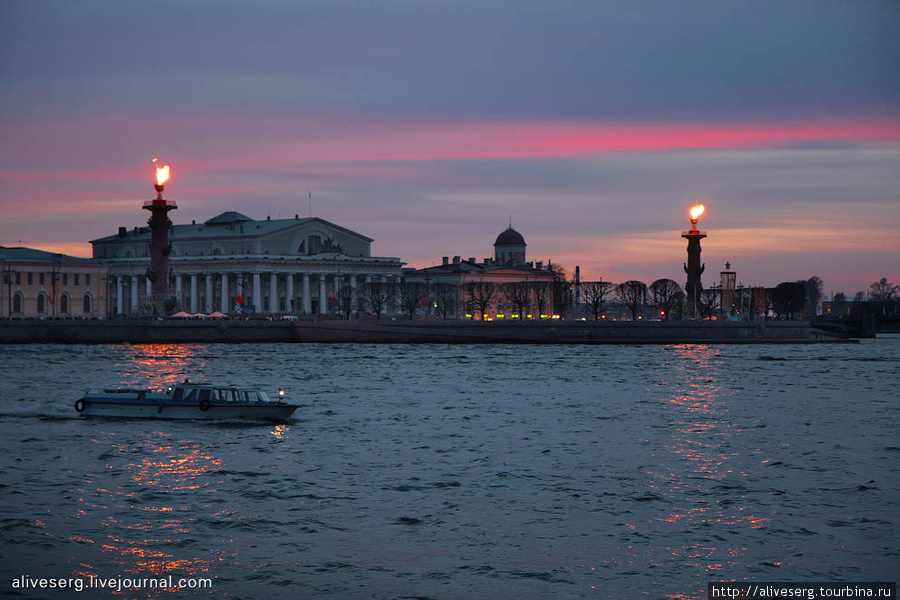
(694, 268)
(160, 247)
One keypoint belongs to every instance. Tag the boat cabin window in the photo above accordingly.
(177, 394)
(205, 395)
(221, 395)
(190, 395)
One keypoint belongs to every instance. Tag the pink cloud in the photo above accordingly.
(220, 163)
(505, 140)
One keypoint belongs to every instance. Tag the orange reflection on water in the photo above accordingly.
(696, 476)
(181, 467)
(160, 365)
(78, 538)
(148, 528)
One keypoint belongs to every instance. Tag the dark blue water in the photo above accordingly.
(453, 472)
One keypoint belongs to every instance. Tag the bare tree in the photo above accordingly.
(345, 297)
(814, 290)
(412, 296)
(481, 294)
(633, 294)
(594, 294)
(376, 294)
(666, 295)
(516, 293)
(709, 302)
(883, 290)
(541, 292)
(445, 295)
(561, 290)
(884, 296)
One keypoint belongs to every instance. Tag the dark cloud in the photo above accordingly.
(640, 60)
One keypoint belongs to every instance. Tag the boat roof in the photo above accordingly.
(195, 384)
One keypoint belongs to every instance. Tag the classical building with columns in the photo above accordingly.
(234, 264)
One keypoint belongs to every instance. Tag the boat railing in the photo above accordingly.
(127, 391)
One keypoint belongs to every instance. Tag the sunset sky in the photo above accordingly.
(429, 124)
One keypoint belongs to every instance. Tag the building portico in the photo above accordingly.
(288, 266)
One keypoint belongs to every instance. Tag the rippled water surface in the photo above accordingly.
(453, 472)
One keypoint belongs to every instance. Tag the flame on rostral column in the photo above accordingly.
(696, 211)
(162, 173)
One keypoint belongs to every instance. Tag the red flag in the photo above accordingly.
(240, 299)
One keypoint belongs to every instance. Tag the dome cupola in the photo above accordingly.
(510, 247)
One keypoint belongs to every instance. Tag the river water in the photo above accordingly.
(459, 472)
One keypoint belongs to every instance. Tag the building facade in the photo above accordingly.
(503, 287)
(39, 284)
(234, 264)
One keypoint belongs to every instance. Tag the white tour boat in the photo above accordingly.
(186, 401)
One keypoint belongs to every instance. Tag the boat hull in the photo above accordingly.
(163, 408)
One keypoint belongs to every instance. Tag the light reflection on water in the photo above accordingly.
(701, 435)
(160, 365)
(692, 470)
(461, 472)
(146, 520)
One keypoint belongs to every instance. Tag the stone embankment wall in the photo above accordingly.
(400, 332)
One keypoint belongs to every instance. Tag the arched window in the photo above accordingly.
(64, 304)
(314, 244)
(86, 306)
(17, 303)
(41, 303)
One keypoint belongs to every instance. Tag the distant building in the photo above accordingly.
(50, 285)
(510, 247)
(502, 287)
(232, 263)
